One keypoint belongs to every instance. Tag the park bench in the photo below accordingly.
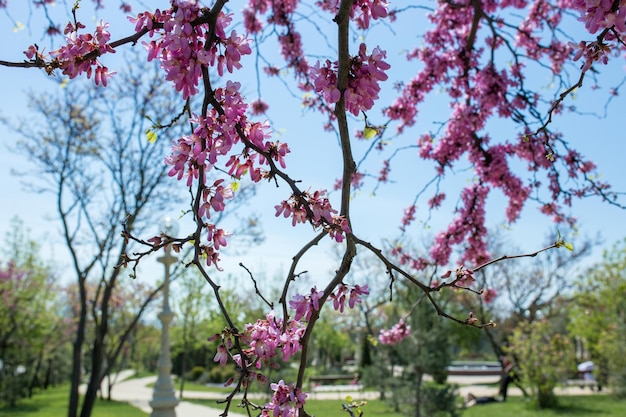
(583, 383)
(327, 382)
(326, 379)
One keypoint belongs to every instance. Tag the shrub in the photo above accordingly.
(544, 357)
(439, 400)
(196, 373)
(220, 374)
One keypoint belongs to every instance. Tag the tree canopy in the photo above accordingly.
(479, 65)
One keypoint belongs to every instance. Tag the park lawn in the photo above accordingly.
(333, 408)
(582, 406)
(53, 403)
(326, 408)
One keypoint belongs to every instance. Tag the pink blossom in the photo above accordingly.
(258, 107)
(396, 334)
(268, 337)
(488, 295)
(72, 56)
(305, 306)
(222, 355)
(314, 207)
(408, 217)
(354, 294)
(366, 73)
(286, 401)
(362, 11)
(180, 46)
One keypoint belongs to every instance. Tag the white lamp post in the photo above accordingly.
(164, 400)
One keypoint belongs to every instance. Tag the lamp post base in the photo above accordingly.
(163, 407)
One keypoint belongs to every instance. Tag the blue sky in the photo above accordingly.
(314, 159)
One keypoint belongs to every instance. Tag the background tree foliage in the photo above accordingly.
(545, 359)
(599, 317)
(34, 324)
(482, 56)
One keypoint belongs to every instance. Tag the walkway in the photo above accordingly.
(137, 393)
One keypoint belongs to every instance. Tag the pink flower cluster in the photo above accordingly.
(602, 14)
(356, 181)
(462, 277)
(80, 53)
(592, 52)
(265, 340)
(181, 45)
(408, 217)
(350, 293)
(363, 83)
(404, 258)
(316, 209)
(214, 136)
(214, 197)
(269, 336)
(281, 15)
(468, 227)
(396, 334)
(489, 295)
(287, 401)
(480, 88)
(306, 305)
(362, 11)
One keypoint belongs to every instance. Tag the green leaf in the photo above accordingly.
(569, 247)
(369, 132)
(151, 136)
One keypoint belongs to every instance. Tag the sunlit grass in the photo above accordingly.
(326, 408)
(53, 403)
(570, 406)
(583, 406)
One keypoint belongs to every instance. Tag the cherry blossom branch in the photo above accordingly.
(291, 275)
(256, 287)
(342, 271)
(349, 166)
(557, 244)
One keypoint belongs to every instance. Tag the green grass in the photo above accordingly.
(583, 406)
(53, 403)
(332, 408)
(326, 408)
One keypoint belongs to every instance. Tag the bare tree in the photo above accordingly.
(89, 151)
(530, 290)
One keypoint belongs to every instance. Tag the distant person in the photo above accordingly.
(355, 380)
(506, 377)
(473, 400)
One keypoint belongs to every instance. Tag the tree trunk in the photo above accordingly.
(95, 378)
(34, 380)
(46, 382)
(418, 394)
(183, 366)
(77, 352)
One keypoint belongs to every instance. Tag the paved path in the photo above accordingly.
(136, 392)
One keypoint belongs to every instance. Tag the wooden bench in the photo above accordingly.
(326, 379)
(582, 383)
